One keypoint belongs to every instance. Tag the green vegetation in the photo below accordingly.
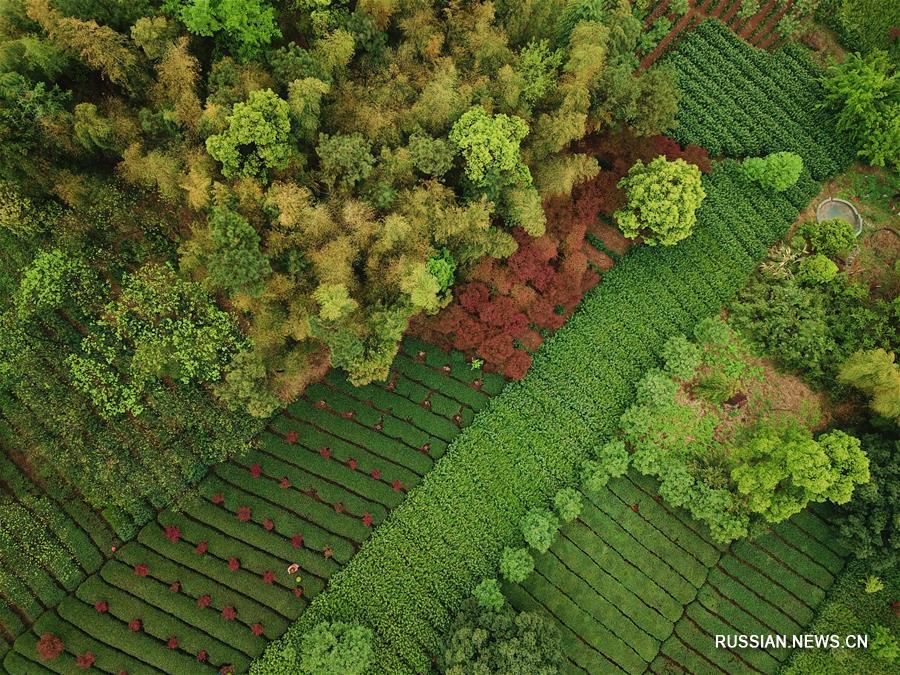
(500, 640)
(326, 473)
(221, 222)
(406, 580)
(635, 585)
(864, 91)
(851, 610)
(777, 171)
(663, 198)
(729, 473)
(744, 102)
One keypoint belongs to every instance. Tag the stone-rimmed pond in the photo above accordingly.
(839, 208)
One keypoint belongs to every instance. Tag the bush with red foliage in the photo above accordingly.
(141, 570)
(172, 533)
(172, 642)
(85, 661)
(234, 564)
(218, 499)
(201, 548)
(268, 577)
(297, 540)
(101, 606)
(204, 601)
(229, 613)
(504, 309)
(269, 524)
(49, 647)
(134, 625)
(201, 656)
(257, 629)
(244, 513)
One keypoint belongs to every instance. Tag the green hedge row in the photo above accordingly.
(449, 533)
(741, 101)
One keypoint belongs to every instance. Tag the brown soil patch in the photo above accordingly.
(783, 394)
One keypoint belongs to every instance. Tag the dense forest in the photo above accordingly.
(234, 231)
(212, 203)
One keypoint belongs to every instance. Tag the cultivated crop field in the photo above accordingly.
(400, 337)
(638, 587)
(324, 474)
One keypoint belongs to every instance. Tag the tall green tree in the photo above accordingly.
(257, 138)
(663, 198)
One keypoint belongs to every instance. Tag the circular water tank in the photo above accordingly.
(839, 208)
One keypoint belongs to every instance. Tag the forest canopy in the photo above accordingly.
(217, 201)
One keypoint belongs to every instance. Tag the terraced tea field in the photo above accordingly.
(206, 585)
(636, 586)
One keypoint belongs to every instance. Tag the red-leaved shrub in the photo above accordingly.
(297, 540)
(268, 577)
(234, 564)
(49, 647)
(201, 548)
(229, 613)
(172, 643)
(255, 470)
(173, 534)
(244, 513)
(141, 570)
(134, 625)
(257, 629)
(367, 519)
(85, 661)
(204, 601)
(101, 606)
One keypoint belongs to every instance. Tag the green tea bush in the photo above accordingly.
(740, 101)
